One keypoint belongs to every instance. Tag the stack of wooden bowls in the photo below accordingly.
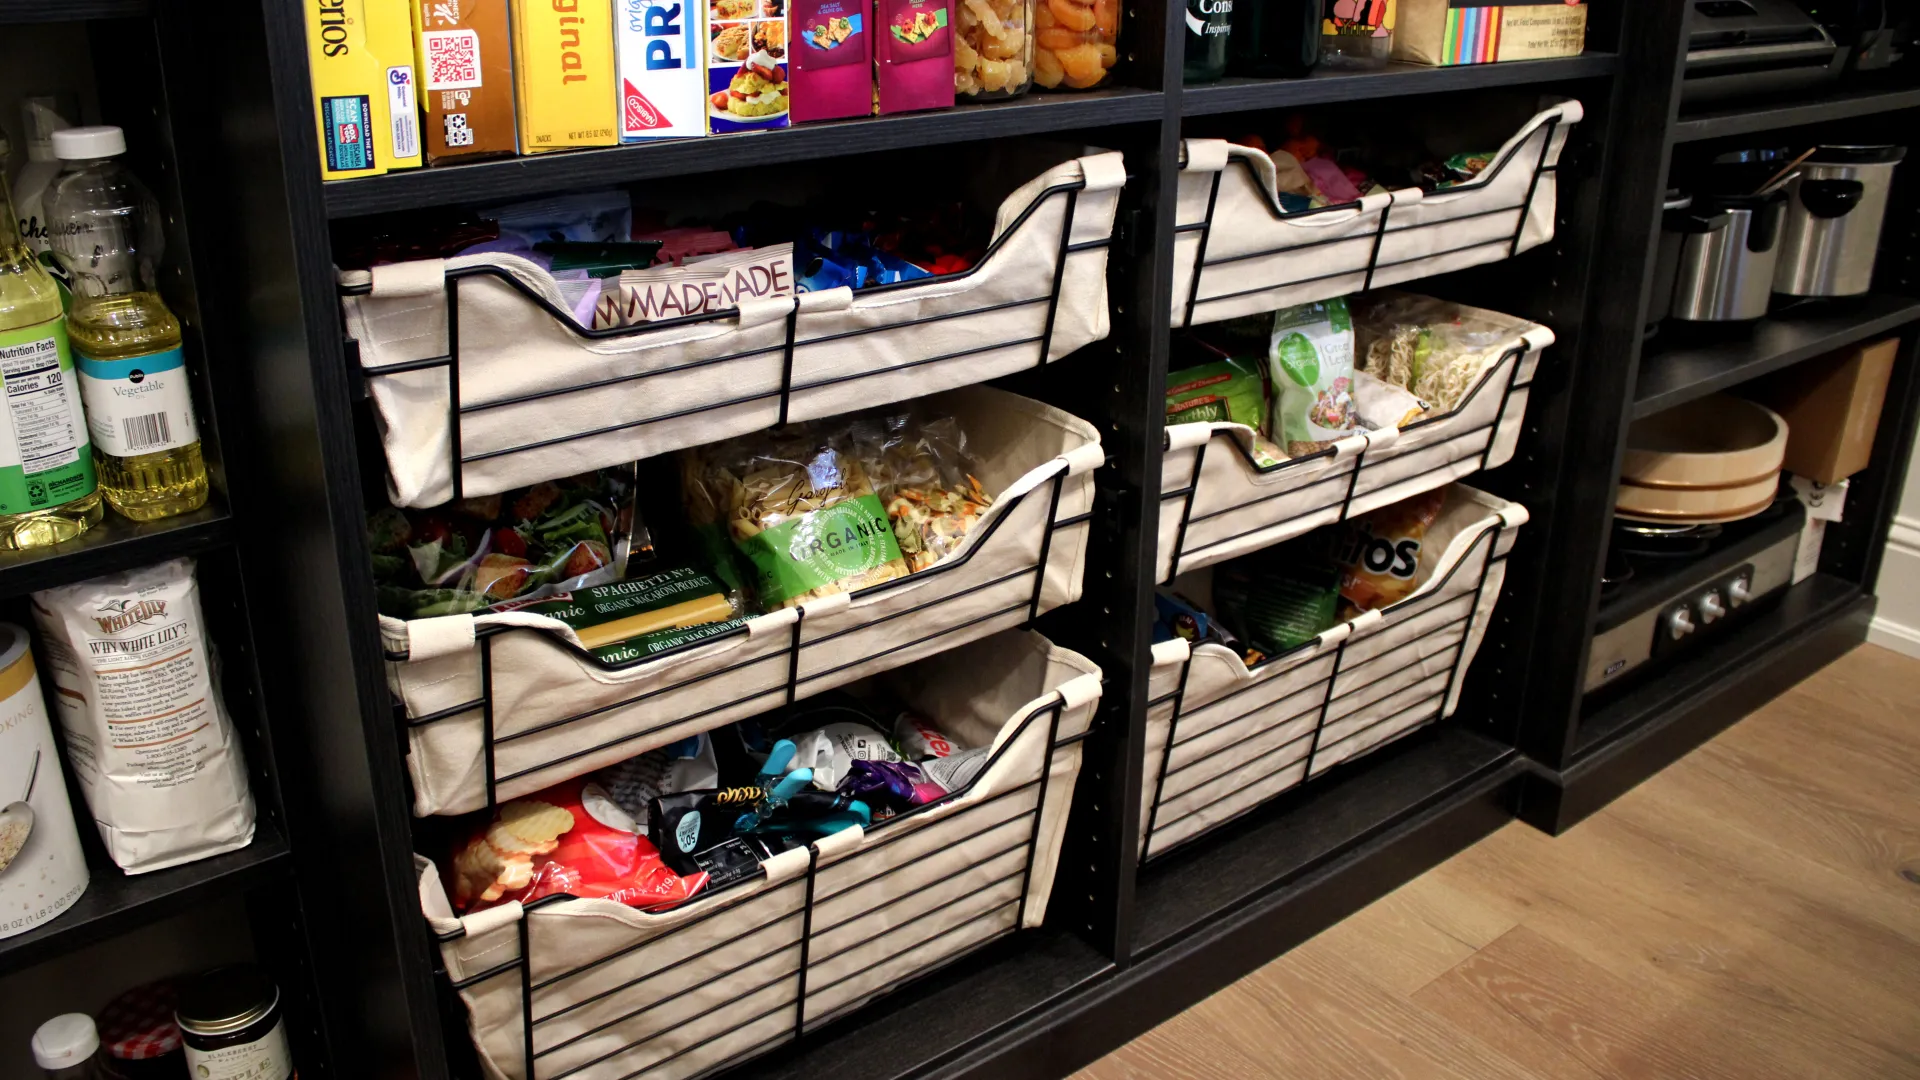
(1711, 460)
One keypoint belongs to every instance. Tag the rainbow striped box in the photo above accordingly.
(1447, 32)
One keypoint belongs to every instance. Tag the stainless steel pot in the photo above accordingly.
(1666, 259)
(1727, 256)
(1833, 221)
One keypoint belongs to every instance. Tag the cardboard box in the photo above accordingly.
(1449, 32)
(1832, 408)
(463, 57)
(366, 112)
(662, 50)
(913, 50)
(747, 88)
(830, 56)
(563, 74)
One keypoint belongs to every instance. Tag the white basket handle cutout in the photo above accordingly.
(1104, 172)
(421, 277)
(1205, 155)
(442, 635)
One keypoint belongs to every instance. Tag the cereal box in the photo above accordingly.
(361, 54)
(1446, 32)
(914, 50)
(563, 74)
(463, 56)
(662, 47)
(746, 65)
(831, 64)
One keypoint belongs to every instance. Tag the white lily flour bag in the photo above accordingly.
(145, 729)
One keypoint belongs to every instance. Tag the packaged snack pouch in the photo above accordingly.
(1312, 365)
(914, 55)
(571, 838)
(832, 59)
(1232, 390)
(524, 544)
(1381, 553)
(1281, 597)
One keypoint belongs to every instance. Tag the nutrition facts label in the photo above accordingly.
(46, 426)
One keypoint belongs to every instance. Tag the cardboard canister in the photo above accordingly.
(42, 869)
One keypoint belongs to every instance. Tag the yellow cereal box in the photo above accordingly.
(563, 74)
(361, 54)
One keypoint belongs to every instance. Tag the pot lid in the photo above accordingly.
(1857, 155)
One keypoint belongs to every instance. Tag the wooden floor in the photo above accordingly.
(1751, 912)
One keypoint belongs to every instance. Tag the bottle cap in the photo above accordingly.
(84, 143)
(65, 1041)
(42, 115)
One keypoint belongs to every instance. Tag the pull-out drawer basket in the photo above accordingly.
(1222, 738)
(503, 704)
(481, 381)
(1237, 252)
(595, 990)
(1216, 502)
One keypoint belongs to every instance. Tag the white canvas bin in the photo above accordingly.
(1222, 738)
(616, 992)
(481, 382)
(1236, 252)
(1217, 503)
(502, 704)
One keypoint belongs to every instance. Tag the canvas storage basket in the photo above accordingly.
(1217, 503)
(481, 382)
(1236, 252)
(1222, 738)
(509, 703)
(617, 993)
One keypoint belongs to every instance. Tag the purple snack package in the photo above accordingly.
(888, 785)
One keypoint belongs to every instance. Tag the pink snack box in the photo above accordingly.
(830, 58)
(914, 54)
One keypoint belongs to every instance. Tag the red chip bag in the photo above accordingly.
(571, 838)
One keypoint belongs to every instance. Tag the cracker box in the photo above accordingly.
(662, 47)
(361, 56)
(747, 86)
(831, 58)
(463, 57)
(1449, 32)
(913, 54)
(563, 74)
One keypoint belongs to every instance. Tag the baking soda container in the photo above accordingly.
(42, 871)
(133, 376)
(47, 491)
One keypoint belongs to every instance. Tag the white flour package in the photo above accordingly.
(145, 730)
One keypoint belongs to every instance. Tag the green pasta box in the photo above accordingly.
(1449, 32)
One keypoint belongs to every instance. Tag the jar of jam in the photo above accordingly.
(231, 1026)
(139, 1034)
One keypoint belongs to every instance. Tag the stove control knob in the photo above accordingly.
(1711, 608)
(1679, 623)
(1738, 592)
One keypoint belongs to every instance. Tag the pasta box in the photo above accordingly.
(830, 58)
(361, 56)
(1449, 32)
(662, 49)
(563, 74)
(747, 87)
(464, 56)
(913, 55)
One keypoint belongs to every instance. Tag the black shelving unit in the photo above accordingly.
(45, 11)
(116, 544)
(332, 879)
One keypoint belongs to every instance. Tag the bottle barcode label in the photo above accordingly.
(139, 405)
(146, 431)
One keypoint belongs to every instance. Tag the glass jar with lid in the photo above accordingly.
(231, 1026)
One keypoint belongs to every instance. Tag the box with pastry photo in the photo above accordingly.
(746, 65)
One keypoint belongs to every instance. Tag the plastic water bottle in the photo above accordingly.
(105, 229)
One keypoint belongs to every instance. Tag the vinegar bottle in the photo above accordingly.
(133, 376)
(47, 491)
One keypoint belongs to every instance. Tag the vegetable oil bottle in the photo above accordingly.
(47, 491)
(105, 230)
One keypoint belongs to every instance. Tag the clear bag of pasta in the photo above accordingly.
(1435, 348)
(993, 51)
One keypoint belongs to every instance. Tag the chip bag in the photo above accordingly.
(1381, 553)
(571, 838)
